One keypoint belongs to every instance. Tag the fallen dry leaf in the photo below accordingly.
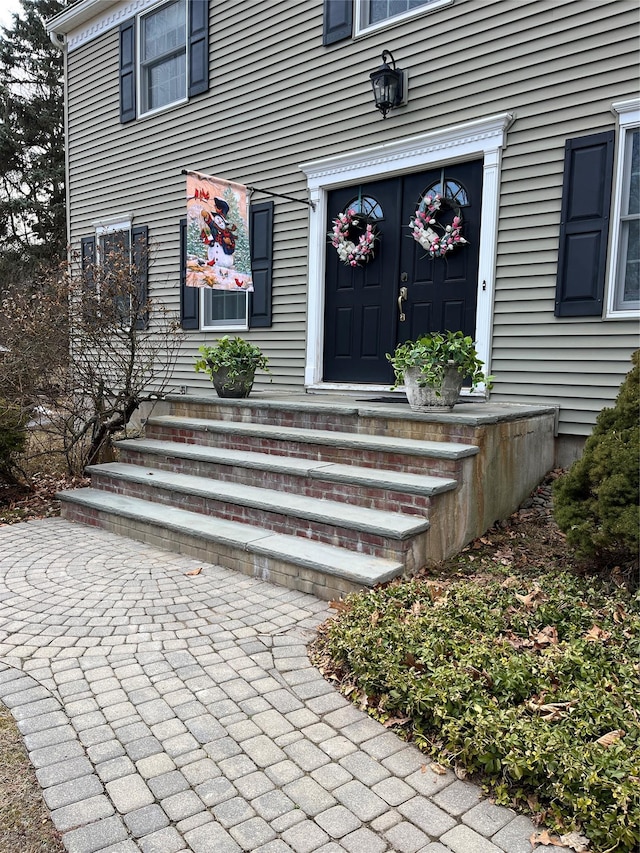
(575, 841)
(596, 635)
(551, 711)
(532, 599)
(544, 838)
(194, 572)
(395, 721)
(547, 637)
(436, 590)
(338, 605)
(411, 661)
(611, 737)
(517, 642)
(437, 768)
(620, 613)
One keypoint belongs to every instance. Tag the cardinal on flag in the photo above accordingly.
(218, 254)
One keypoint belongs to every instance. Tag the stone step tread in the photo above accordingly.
(415, 484)
(390, 524)
(363, 441)
(473, 411)
(358, 568)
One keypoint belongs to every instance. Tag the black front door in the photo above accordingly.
(363, 320)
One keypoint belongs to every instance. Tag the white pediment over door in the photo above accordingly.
(483, 138)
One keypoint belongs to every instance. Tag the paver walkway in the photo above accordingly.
(166, 711)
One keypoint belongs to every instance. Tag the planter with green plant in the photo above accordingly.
(231, 364)
(433, 368)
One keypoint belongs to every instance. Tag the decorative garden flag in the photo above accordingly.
(218, 253)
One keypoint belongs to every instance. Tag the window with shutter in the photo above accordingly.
(376, 14)
(223, 310)
(338, 20)
(164, 57)
(584, 225)
(115, 267)
(624, 266)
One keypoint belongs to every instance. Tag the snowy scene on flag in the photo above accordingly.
(218, 253)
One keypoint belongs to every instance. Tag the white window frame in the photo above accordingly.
(628, 115)
(362, 27)
(140, 73)
(112, 226)
(223, 327)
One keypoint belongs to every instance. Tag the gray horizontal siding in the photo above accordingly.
(279, 98)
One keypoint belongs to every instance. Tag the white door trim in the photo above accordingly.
(484, 138)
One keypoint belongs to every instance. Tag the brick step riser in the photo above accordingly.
(231, 557)
(365, 496)
(331, 534)
(330, 421)
(318, 452)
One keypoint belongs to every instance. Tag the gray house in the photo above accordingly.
(531, 108)
(526, 116)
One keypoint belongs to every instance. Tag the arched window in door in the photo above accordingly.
(449, 190)
(367, 206)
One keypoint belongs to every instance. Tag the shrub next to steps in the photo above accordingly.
(533, 683)
(596, 502)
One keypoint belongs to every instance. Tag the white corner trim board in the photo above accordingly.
(482, 138)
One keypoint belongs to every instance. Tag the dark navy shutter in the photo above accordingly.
(198, 47)
(128, 71)
(338, 20)
(189, 296)
(584, 225)
(261, 239)
(140, 253)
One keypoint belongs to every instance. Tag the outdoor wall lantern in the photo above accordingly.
(389, 85)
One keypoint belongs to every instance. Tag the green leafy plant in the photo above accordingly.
(532, 681)
(596, 503)
(432, 353)
(234, 356)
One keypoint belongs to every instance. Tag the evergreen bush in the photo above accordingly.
(13, 436)
(596, 503)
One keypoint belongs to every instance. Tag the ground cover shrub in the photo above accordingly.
(596, 503)
(533, 682)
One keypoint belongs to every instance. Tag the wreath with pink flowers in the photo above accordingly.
(354, 238)
(439, 240)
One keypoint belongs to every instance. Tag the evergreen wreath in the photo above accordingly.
(424, 222)
(349, 227)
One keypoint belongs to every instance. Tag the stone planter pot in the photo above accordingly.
(239, 386)
(430, 399)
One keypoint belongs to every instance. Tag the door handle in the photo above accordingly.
(402, 298)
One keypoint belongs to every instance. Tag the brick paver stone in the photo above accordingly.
(462, 839)
(172, 712)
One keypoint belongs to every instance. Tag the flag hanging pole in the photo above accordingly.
(308, 202)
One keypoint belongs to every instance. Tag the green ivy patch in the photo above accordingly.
(534, 683)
